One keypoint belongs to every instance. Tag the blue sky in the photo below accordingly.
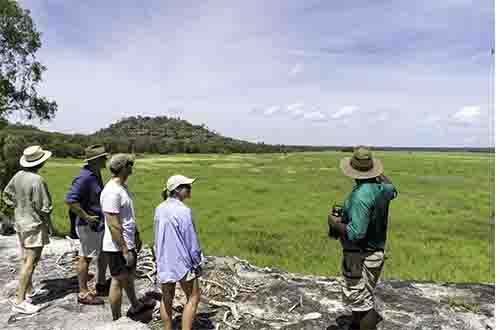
(398, 73)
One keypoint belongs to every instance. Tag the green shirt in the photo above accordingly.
(366, 211)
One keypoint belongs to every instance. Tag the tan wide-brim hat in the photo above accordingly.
(94, 152)
(34, 156)
(362, 165)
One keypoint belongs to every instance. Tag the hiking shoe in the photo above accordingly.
(141, 307)
(90, 299)
(36, 293)
(25, 308)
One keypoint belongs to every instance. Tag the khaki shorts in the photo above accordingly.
(90, 241)
(361, 271)
(34, 237)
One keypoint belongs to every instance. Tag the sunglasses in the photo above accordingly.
(185, 186)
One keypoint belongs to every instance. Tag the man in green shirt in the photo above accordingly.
(362, 228)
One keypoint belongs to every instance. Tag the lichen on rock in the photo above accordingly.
(238, 295)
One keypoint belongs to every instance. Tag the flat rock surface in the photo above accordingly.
(239, 295)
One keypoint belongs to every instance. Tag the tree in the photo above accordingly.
(20, 71)
(20, 76)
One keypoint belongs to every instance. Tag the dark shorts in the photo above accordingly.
(117, 263)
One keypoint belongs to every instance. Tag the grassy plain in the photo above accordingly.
(271, 209)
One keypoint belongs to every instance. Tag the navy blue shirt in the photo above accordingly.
(86, 190)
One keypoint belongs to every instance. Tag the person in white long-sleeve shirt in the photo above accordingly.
(177, 250)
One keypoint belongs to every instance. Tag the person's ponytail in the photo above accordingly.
(164, 194)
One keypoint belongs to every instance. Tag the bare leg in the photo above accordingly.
(83, 274)
(102, 264)
(115, 298)
(168, 290)
(32, 256)
(129, 286)
(29, 288)
(193, 293)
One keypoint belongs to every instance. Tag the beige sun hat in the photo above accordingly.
(119, 161)
(176, 180)
(33, 156)
(94, 151)
(362, 164)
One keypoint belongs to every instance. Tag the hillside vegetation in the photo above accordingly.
(158, 135)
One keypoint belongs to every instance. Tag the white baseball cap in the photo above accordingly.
(176, 180)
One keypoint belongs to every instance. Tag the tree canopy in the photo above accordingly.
(20, 71)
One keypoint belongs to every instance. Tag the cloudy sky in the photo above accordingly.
(398, 73)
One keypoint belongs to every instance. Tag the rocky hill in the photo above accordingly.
(161, 135)
(237, 295)
(165, 134)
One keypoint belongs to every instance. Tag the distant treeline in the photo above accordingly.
(163, 135)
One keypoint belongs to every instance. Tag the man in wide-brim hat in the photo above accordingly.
(83, 199)
(362, 228)
(28, 195)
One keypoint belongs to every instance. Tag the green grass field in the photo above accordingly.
(271, 209)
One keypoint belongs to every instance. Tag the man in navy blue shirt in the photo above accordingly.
(83, 199)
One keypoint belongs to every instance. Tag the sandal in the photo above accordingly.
(90, 299)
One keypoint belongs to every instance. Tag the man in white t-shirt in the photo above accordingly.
(121, 238)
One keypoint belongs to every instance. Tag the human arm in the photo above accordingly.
(191, 239)
(76, 208)
(116, 230)
(137, 239)
(42, 201)
(9, 194)
(391, 189)
(360, 218)
(80, 187)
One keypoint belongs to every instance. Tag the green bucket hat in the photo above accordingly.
(362, 164)
(94, 151)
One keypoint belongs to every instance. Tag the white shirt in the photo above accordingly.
(115, 198)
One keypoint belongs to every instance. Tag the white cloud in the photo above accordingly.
(344, 112)
(432, 120)
(294, 106)
(267, 55)
(315, 116)
(271, 110)
(296, 70)
(467, 114)
(295, 109)
(382, 116)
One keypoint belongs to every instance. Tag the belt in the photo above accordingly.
(363, 250)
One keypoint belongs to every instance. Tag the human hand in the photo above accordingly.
(93, 219)
(382, 178)
(198, 271)
(129, 259)
(332, 220)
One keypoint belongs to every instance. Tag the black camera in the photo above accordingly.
(337, 211)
